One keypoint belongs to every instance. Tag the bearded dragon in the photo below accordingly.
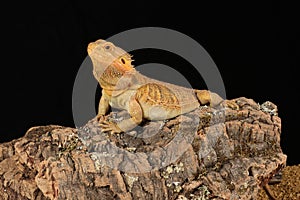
(123, 87)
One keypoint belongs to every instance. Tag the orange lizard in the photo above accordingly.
(123, 87)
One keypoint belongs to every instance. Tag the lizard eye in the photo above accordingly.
(108, 46)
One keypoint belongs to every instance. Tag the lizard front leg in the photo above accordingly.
(102, 108)
(136, 114)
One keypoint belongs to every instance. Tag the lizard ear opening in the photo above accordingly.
(124, 64)
(123, 61)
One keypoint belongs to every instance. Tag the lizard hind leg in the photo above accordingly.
(213, 99)
(136, 114)
(206, 97)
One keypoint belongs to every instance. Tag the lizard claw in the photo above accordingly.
(109, 126)
(100, 118)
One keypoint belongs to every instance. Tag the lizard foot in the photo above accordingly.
(230, 104)
(100, 118)
(109, 126)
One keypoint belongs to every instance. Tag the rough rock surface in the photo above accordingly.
(288, 188)
(205, 154)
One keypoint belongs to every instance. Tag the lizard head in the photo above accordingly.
(108, 58)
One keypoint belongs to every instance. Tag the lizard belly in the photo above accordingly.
(157, 112)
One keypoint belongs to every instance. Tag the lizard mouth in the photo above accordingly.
(91, 47)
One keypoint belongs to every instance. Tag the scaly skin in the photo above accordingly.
(144, 98)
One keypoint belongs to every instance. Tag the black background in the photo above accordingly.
(255, 46)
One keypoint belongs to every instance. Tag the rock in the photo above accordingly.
(205, 154)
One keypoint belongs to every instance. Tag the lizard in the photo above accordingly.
(123, 87)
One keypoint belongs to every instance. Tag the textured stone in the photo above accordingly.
(208, 153)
